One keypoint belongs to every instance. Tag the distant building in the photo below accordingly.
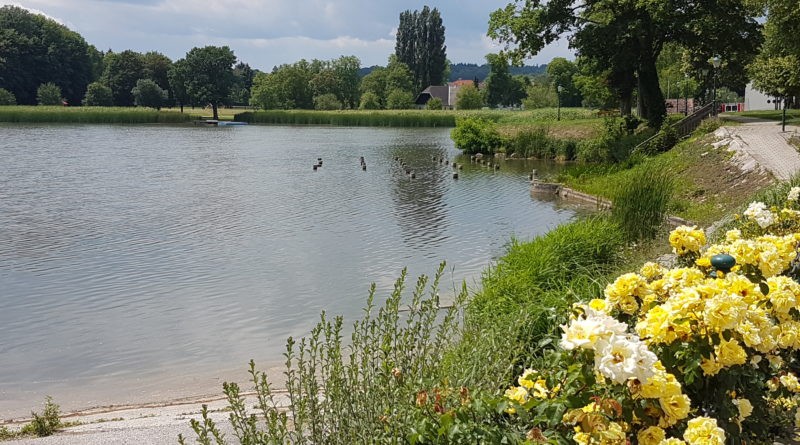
(447, 94)
(756, 100)
(675, 106)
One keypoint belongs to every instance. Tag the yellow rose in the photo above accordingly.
(675, 408)
(730, 353)
(651, 436)
(704, 431)
(745, 408)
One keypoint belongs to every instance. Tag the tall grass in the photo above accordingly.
(640, 202)
(522, 298)
(409, 118)
(89, 115)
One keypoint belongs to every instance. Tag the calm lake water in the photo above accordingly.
(149, 262)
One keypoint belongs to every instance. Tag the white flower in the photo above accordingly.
(622, 358)
(794, 194)
(758, 211)
(587, 332)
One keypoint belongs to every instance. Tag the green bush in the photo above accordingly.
(369, 101)
(640, 203)
(147, 93)
(709, 125)
(48, 94)
(399, 100)
(476, 135)
(469, 98)
(664, 140)
(7, 97)
(98, 95)
(434, 104)
(327, 102)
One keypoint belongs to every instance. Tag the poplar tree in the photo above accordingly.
(421, 46)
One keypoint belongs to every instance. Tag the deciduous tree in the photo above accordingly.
(421, 46)
(122, 71)
(98, 95)
(49, 94)
(209, 75)
(147, 93)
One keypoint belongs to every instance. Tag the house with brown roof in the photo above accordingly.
(446, 93)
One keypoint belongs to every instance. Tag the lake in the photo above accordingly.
(142, 263)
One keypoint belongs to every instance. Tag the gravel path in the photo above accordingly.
(765, 143)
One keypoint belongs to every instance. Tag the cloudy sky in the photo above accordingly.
(265, 33)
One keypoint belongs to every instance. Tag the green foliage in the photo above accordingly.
(536, 143)
(156, 68)
(98, 95)
(89, 115)
(48, 94)
(540, 95)
(399, 100)
(776, 76)
(209, 75)
(177, 76)
(434, 104)
(7, 97)
(369, 101)
(476, 135)
(664, 140)
(47, 423)
(34, 50)
(367, 118)
(243, 81)
(327, 102)
(381, 81)
(615, 144)
(502, 89)
(147, 93)
(122, 70)
(640, 202)
(395, 353)
(469, 98)
(561, 72)
(420, 45)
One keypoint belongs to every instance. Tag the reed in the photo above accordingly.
(89, 115)
(354, 118)
(640, 202)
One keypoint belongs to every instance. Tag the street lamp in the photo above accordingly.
(685, 94)
(559, 89)
(715, 61)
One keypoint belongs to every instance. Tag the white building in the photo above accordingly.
(756, 100)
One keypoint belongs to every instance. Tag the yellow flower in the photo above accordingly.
(672, 441)
(710, 366)
(516, 394)
(725, 311)
(598, 305)
(704, 431)
(661, 385)
(745, 408)
(651, 436)
(685, 239)
(675, 408)
(730, 353)
(790, 382)
(651, 271)
(582, 438)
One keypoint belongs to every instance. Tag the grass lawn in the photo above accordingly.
(792, 116)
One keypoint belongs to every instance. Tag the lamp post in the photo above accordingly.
(715, 61)
(559, 89)
(686, 94)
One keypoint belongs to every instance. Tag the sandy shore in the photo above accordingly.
(154, 423)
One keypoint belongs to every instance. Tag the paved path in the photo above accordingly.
(765, 142)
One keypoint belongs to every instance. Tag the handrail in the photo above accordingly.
(685, 126)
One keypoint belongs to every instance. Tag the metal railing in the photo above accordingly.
(685, 126)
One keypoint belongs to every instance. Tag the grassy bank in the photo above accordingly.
(708, 183)
(89, 115)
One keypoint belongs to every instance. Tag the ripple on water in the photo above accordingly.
(127, 252)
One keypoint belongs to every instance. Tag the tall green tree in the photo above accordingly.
(243, 82)
(346, 70)
(178, 76)
(209, 75)
(287, 87)
(626, 37)
(156, 68)
(48, 94)
(382, 81)
(421, 46)
(98, 95)
(776, 70)
(502, 89)
(122, 71)
(36, 50)
(561, 72)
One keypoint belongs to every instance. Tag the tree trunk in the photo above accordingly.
(214, 109)
(650, 96)
(181, 107)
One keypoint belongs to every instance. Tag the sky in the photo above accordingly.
(266, 33)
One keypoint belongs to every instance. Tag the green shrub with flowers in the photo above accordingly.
(699, 354)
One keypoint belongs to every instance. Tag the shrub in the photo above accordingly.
(98, 95)
(640, 202)
(469, 97)
(7, 97)
(709, 125)
(533, 142)
(594, 150)
(399, 100)
(45, 424)
(369, 101)
(434, 104)
(476, 135)
(147, 93)
(327, 102)
(375, 389)
(664, 140)
(48, 94)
